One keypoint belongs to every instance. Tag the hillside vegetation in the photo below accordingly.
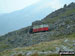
(61, 36)
(44, 48)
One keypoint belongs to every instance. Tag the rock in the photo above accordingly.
(66, 40)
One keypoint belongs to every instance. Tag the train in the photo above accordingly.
(39, 28)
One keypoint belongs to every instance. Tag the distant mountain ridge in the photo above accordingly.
(22, 18)
(63, 21)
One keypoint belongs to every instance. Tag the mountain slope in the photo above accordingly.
(22, 18)
(67, 11)
(62, 27)
(44, 48)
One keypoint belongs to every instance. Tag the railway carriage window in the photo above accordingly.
(38, 26)
(41, 26)
(45, 25)
(35, 27)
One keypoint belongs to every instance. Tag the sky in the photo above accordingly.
(13, 5)
(7, 6)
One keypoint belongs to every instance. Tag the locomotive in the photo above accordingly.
(39, 28)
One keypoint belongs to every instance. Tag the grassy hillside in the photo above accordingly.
(44, 48)
(62, 13)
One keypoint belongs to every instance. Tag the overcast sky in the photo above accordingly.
(7, 6)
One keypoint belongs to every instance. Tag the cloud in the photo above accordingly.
(53, 4)
(12, 5)
(56, 4)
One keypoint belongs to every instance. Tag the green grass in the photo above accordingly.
(45, 55)
(43, 46)
(66, 13)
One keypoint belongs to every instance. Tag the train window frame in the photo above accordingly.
(35, 27)
(45, 25)
(41, 26)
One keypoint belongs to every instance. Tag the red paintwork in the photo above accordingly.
(34, 30)
(40, 29)
(45, 28)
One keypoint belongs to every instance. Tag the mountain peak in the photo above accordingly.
(72, 4)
